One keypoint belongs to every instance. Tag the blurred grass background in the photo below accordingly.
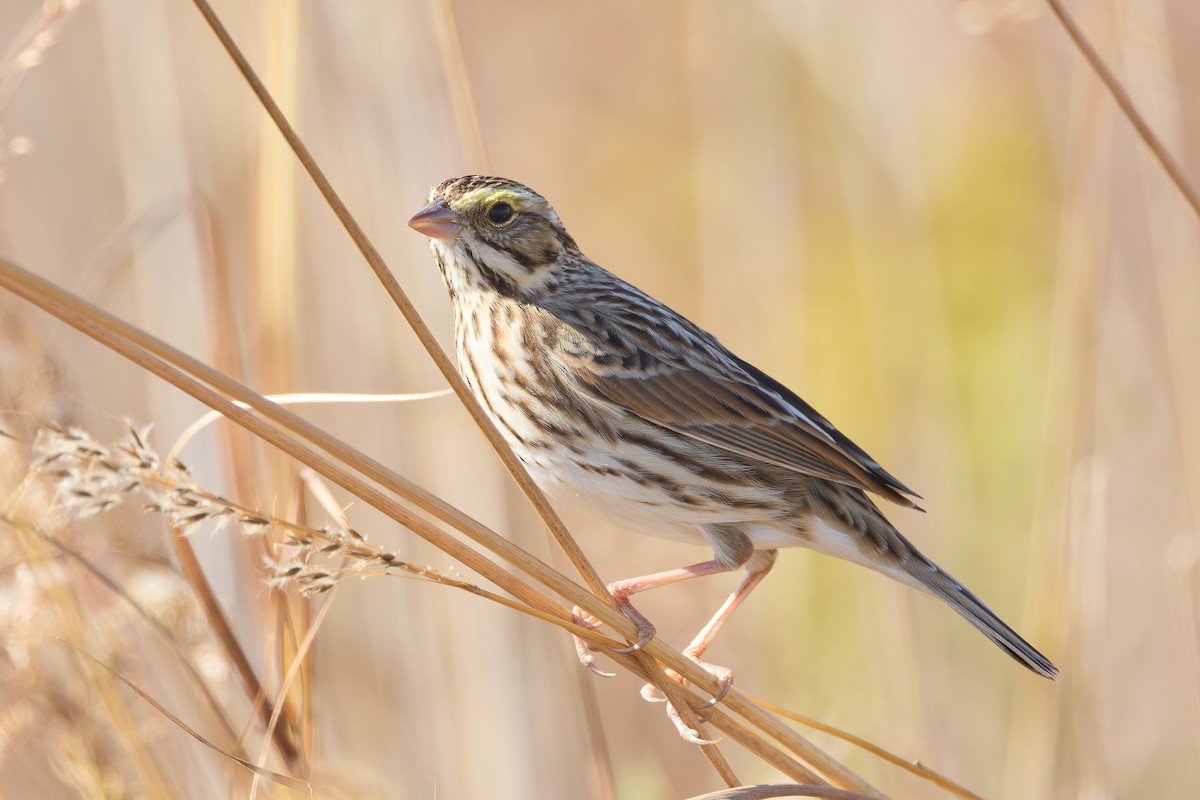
(926, 217)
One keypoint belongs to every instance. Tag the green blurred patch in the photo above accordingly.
(992, 219)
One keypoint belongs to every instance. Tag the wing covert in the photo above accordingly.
(744, 413)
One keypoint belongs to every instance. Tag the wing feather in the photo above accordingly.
(742, 411)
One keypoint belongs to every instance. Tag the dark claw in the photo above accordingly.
(726, 683)
(646, 633)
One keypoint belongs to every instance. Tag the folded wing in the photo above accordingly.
(742, 411)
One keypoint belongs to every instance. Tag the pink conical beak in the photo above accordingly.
(436, 221)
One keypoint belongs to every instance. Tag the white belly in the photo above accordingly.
(599, 482)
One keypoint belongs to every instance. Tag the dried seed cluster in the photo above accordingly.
(92, 477)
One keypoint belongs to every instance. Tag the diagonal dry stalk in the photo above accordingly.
(189, 565)
(1125, 102)
(258, 771)
(914, 767)
(353, 471)
(780, 790)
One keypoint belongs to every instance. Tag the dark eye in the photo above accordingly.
(500, 213)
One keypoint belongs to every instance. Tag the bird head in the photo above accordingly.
(493, 233)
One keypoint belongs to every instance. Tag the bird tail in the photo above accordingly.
(941, 584)
(867, 538)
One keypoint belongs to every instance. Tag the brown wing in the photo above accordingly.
(745, 413)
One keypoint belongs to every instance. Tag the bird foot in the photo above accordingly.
(645, 629)
(584, 649)
(724, 676)
(645, 634)
(651, 694)
(686, 732)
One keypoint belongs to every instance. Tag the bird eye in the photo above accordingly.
(500, 213)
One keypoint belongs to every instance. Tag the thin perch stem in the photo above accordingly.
(1125, 102)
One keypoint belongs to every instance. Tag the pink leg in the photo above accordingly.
(624, 589)
(756, 570)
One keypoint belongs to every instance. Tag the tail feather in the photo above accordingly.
(972, 609)
(848, 525)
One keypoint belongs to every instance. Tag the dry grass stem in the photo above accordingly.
(780, 790)
(144, 350)
(190, 568)
(92, 477)
(302, 398)
(915, 767)
(466, 115)
(1157, 148)
(258, 771)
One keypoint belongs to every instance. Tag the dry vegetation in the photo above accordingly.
(929, 217)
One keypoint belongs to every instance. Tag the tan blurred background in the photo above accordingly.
(926, 217)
